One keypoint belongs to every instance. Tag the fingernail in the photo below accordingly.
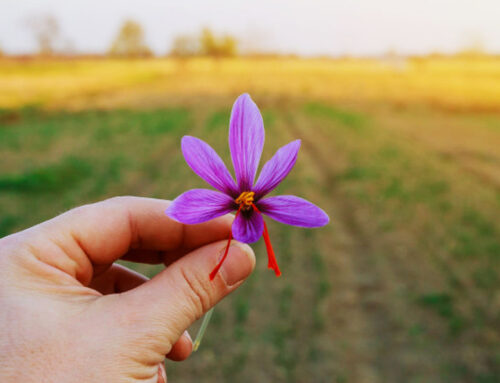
(162, 375)
(186, 334)
(239, 263)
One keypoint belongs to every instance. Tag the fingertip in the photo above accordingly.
(247, 250)
(182, 349)
(239, 264)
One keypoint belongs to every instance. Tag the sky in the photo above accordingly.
(304, 27)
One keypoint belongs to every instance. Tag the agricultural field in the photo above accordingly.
(402, 286)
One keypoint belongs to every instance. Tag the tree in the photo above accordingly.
(185, 46)
(130, 41)
(206, 43)
(47, 33)
(217, 46)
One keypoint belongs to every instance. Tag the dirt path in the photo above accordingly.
(356, 304)
(372, 321)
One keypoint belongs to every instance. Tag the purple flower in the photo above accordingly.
(246, 140)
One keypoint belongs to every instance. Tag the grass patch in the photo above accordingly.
(52, 178)
(171, 121)
(7, 223)
(218, 121)
(348, 119)
(358, 173)
(443, 305)
(475, 237)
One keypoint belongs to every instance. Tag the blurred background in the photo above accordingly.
(397, 104)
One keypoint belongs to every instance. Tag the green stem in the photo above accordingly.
(203, 327)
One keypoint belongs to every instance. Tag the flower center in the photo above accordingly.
(245, 200)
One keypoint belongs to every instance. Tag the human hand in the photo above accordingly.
(69, 314)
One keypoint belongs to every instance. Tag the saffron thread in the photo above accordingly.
(271, 257)
(214, 272)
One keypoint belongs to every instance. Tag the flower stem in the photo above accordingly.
(203, 327)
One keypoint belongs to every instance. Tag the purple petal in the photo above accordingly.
(199, 205)
(207, 164)
(248, 227)
(246, 140)
(293, 211)
(277, 168)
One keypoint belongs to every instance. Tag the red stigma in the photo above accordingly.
(214, 272)
(271, 257)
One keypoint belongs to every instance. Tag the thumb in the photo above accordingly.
(170, 302)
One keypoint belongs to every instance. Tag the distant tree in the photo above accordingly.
(130, 41)
(185, 46)
(47, 33)
(212, 45)
(205, 44)
(208, 45)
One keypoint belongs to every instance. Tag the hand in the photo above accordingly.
(69, 314)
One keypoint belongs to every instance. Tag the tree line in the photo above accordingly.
(130, 41)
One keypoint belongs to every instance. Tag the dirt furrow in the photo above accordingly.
(357, 297)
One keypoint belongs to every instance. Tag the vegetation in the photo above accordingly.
(454, 84)
(130, 41)
(217, 46)
(402, 286)
(206, 44)
(46, 31)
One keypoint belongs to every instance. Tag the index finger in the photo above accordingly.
(108, 230)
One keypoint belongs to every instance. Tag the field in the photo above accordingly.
(402, 286)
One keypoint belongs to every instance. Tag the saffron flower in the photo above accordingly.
(246, 197)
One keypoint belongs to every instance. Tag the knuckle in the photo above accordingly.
(118, 200)
(198, 292)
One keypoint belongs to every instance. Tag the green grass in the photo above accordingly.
(67, 173)
(443, 305)
(82, 157)
(345, 118)
(403, 283)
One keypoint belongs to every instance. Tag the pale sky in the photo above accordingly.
(306, 27)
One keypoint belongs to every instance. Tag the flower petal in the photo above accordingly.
(277, 168)
(207, 164)
(246, 140)
(199, 205)
(293, 211)
(248, 227)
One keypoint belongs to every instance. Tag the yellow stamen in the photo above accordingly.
(245, 199)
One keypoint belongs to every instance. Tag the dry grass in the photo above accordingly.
(455, 83)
